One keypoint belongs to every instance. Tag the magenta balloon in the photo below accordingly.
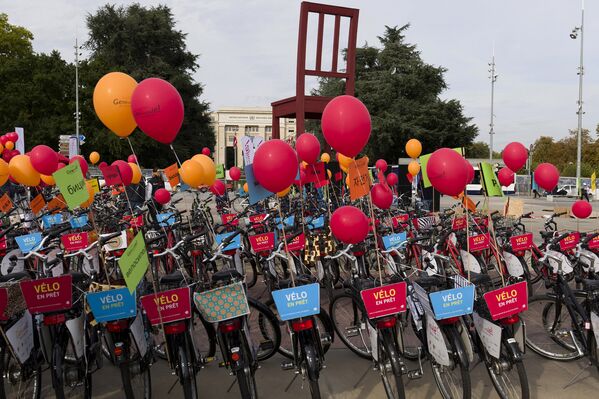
(12, 136)
(349, 225)
(157, 109)
(381, 165)
(7, 156)
(132, 159)
(218, 187)
(308, 148)
(515, 156)
(60, 165)
(447, 171)
(275, 165)
(14, 153)
(44, 159)
(392, 179)
(162, 196)
(82, 163)
(346, 125)
(505, 176)
(470, 169)
(582, 209)
(102, 164)
(235, 173)
(125, 171)
(206, 151)
(4, 139)
(382, 196)
(546, 175)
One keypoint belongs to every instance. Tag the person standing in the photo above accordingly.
(584, 192)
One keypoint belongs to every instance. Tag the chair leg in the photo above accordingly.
(275, 127)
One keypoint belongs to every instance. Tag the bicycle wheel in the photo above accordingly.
(508, 377)
(351, 324)
(18, 381)
(410, 344)
(453, 381)
(311, 369)
(135, 374)
(549, 328)
(390, 366)
(264, 327)
(187, 376)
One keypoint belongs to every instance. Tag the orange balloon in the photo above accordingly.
(22, 171)
(245, 187)
(208, 167)
(9, 145)
(414, 168)
(49, 180)
(112, 102)
(136, 173)
(91, 194)
(1, 148)
(283, 193)
(3, 172)
(344, 162)
(326, 158)
(192, 173)
(413, 148)
(94, 157)
(330, 174)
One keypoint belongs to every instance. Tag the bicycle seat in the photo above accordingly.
(547, 234)
(430, 281)
(300, 280)
(590, 285)
(14, 277)
(79, 277)
(173, 278)
(224, 275)
(479, 278)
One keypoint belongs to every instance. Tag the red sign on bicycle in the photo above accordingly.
(135, 222)
(593, 243)
(262, 242)
(75, 241)
(229, 218)
(479, 242)
(257, 219)
(3, 303)
(570, 241)
(48, 294)
(167, 306)
(458, 223)
(297, 244)
(507, 301)
(398, 220)
(521, 242)
(384, 301)
(482, 222)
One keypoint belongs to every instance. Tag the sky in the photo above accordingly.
(248, 50)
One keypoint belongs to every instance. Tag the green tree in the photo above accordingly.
(15, 41)
(402, 93)
(480, 149)
(143, 42)
(562, 153)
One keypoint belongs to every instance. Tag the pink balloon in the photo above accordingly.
(218, 187)
(206, 151)
(132, 159)
(582, 209)
(125, 171)
(44, 159)
(4, 139)
(12, 136)
(447, 171)
(505, 176)
(349, 225)
(392, 179)
(157, 109)
(275, 165)
(82, 163)
(60, 165)
(308, 148)
(470, 169)
(381, 165)
(14, 153)
(515, 156)
(62, 158)
(546, 175)
(382, 196)
(235, 173)
(346, 125)
(7, 156)
(162, 196)
(102, 165)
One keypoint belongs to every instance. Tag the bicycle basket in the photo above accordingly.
(15, 303)
(223, 303)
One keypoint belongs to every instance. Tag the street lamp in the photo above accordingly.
(579, 30)
(493, 76)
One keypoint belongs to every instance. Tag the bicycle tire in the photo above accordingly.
(131, 381)
(522, 381)
(311, 367)
(35, 382)
(265, 318)
(358, 320)
(186, 376)
(453, 337)
(391, 376)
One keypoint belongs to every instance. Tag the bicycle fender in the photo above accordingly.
(455, 340)
(510, 343)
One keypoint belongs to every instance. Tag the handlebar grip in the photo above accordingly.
(559, 214)
(230, 238)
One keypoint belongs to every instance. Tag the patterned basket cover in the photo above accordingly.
(222, 303)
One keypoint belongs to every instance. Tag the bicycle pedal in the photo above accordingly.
(351, 332)
(287, 366)
(325, 338)
(415, 374)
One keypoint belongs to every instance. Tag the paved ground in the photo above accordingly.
(348, 377)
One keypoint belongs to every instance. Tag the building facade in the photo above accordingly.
(231, 123)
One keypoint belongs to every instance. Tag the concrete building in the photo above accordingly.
(232, 123)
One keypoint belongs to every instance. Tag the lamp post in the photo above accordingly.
(77, 94)
(574, 35)
(493, 78)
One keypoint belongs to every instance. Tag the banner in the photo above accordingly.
(20, 144)
(424, 160)
(71, 184)
(172, 174)
(134, 262)
(220, 171)
(359, 179)
(489, 180)
(256, 191)
(72, 146)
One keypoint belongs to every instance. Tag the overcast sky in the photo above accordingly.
(248, 51)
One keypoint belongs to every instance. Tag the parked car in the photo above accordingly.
(569, 190)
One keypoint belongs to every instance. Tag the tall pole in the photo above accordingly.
(77, 93)
(493, 78)
(580, 112)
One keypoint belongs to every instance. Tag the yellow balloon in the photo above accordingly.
(245, 187)
(112, 102)
(413, 148)
(344, 162)
(326, 158)
(329, 174)
(192, 173)
(22, 171)
(208, 167)
(9, 145)
(414, 168)
(94, 157)
(3, 172)
(283, 193)
(49, 180)
(136, 173)
(90, 194)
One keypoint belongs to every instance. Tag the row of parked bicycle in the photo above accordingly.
(130, 287)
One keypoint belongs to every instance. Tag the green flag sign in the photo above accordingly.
(71, 184)
(489, 180)
(220, 171)
(134, 262)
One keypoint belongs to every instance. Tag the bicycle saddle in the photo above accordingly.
(14, 277)
(173, 278)
(228, 274)
(479, 278)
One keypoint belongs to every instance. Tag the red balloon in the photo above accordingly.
(218, 187)
(132, 159)
(447, 171)
(102, 165)
(349, 225)
(582, 209)
(7, 156)
(162, 196)
(14, 153)
(505, 176)
(275, 165)
(308, 148)
(346, 125)
(125, 171)
(12, 136)
(546, 175)
(235, 173)
(392, 179)
(62, 158)
(82, 163)
(3, 139)
(60, 165)
(470, 169)
(381, 165)
(206, 151)
(515, 156)
(44, 159)
(157, 109)
(382, 196)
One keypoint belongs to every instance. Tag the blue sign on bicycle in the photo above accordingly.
(289, 221)
(28, 242)
(112, 304)
(315, 223)
(78, 222)
(393, 240)
(452, 303)
(165, 219)
(234, 244)
(51, 220)
(296, 302)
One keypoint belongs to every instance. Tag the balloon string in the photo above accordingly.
(175, 152)
(285, 239)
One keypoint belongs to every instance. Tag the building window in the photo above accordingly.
(251, 129)
(267, 129)
(291, 131)
(230, 139)
(231, 128)
(269, 137)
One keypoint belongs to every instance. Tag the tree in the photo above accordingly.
(562, 153)
(143, 43)
(402, 93)
(15, 41)
(480, 149)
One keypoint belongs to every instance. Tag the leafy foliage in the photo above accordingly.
(562, 153)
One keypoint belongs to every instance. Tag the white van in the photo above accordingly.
(476, 188)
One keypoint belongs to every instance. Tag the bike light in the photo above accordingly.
(53, 319)
(386, 322)
(301, 325)
(235, 357)
(230, 252)
(118, 350)
(229, 325)
(519, 253)
(117, 326)
(174, 328)
(510, 320)
(449, 320)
